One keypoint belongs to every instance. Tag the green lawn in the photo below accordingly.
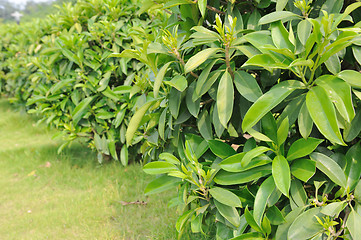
(70, 196)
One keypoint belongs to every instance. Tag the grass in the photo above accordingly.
(70, 196)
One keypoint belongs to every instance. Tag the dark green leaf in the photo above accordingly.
(276, 16)
(221, 149)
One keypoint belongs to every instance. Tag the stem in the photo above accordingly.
(302, 76)
(228, 63)
(343, 224)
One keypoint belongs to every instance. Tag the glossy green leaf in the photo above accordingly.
(303, 169)
(276, 16)
(329, 167)
(161, 124)
(124, 158)
(159, 79)
(339, 93)
(352, 77)
(302, 147)
(356, 50)
(305, 226)
(265, 61)
(202, 5)
(81, 109)
(268, 101)
(179, 82)
(282, 230)
(135, 121)
(275, 216)
(161, 184)
(229, 213)
(233, 163)
(333, 209)
(159, 167)
(183, 219)
(175, 99)
(192, 106)
(199, 58)
(219, 129)
(357, 192)
(353, 224)
(252, 154)
(353, 166)
(353, 129)
(247, 86)
(251, 221)
(282, 131)
(221, 149)
(323, 114)
(249, 236)
(260, 202)
(280, 36)
(170, 158)
(333, 64)
(281, 174)
(112, 150)
(225, 99)
(204, 125)
(227, 178)
(304, 31)
(305, 122)
(205, 80)
(298, 194)
(225, 196)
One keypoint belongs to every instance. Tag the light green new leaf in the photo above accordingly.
(323, 114)
(305, 225)
(159, 79)
(352, 77)
(159, 167)
(281, 174)
(170, 158)
(225, 196)
(260, 202)
(302, 147)
(81, 109)
(282, 131)
(135, 121)
(268, 101)
(353, 224)
(279, 15)
(229, 213)
(202, 5)
(329, 167)
(303, 169)
(225, 99)
(199, 58)
(247, 86)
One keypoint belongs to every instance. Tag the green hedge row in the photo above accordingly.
(250, 108)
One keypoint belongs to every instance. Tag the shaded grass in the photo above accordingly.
(70, 196)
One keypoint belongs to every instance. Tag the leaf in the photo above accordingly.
(158, 80)
(329, 167)
(275, 216)
(305, 122)
(281, 174)
(225, 99)
(305, 226)
(356, 50)
(280, 36)
(174, 102)
(333, 209)
(323, 114)
(298, 194)
(226, 178)
(304, 29)
(357, 192)
(112, 150)
(339, 93)
(260, 202)
(225, 196)
(276, 16)
(161, 184)
(229, 213)
(161, 123)
(268, 101)
(251, 221)
(353, 224)
(280, 5)
(124, 155)
(135, 121)
(204, 125)
(81, 109)
(202, 5)
(353, 130)
(303, 169)
(233, 163)
(183, 219)
(352, 77)
(199, 58)
(247, 86)
(282, 230)
(179, 82)
(159, 167)
(170, 158)
(265, 61)
(333, 64)
(204, 82)
(221, 149)
(302, 147)
(282, 132)
(192, 106)
(353, 166)
(252, 154)
(249, 236)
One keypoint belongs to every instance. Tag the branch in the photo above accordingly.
(215, 10)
